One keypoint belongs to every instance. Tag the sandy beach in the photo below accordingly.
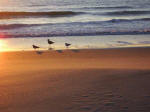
(100, 80)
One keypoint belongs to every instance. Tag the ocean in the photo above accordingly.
(84, 23)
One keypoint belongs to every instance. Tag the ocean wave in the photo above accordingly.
(86, 33)
(111, 7)
(128, 20)
(146, 19)
(128, 13)
(15, 26)
(8, 15)
(108, 27)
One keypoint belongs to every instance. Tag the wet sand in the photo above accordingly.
(110, 80)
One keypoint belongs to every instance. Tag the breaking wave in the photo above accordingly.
(15, 26)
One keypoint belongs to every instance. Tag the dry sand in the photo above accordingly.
(110, 80)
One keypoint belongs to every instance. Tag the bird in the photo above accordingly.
(67, 45)
(35, 47)
(50, 42)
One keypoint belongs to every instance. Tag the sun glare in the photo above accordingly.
(2, 45)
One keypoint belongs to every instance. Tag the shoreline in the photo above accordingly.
(82, 49)
(81, 42)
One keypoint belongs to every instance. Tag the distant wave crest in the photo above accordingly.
(128, 20)
(128, 12)
(8, 15)
(111, 7)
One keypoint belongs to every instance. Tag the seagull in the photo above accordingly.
(67, 45)
(35, 47)
(50, 42)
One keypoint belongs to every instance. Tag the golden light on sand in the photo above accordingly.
(2, 45)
